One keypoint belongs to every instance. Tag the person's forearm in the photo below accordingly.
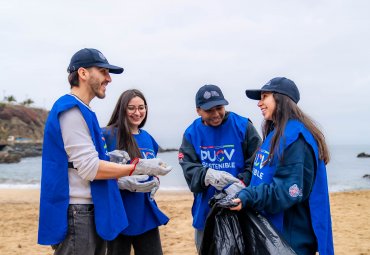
(110, 170)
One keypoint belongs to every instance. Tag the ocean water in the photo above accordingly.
(345, 171)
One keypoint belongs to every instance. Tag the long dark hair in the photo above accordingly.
(119, 121)
(286, 109)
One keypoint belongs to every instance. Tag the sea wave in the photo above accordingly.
(19, 186)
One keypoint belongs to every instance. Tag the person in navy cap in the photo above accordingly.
(216, 153)
(80, 203)
(289, 182)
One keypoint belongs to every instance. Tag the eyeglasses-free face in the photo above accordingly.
(267, 105)
(212, 117)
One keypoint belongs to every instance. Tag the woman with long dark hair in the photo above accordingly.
(289, 182)
(124, 132)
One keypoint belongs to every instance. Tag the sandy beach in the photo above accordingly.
(19, 220)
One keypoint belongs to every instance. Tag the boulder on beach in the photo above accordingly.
(366, 176)
(363, 155)
(9, 157)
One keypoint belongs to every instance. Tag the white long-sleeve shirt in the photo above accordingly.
(81, 152)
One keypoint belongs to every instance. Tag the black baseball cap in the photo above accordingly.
(89, 57)
(209, 96)
(279, 85)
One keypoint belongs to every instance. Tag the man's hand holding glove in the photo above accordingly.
(218, 179)
(137, 183)
(152, 167)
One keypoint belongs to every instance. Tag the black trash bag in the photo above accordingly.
(243, 232)
(222, 232)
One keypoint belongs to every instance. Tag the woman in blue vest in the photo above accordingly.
(124, 133)
(289, 183)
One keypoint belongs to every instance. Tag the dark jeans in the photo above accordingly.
(148, 243)
(81, 238)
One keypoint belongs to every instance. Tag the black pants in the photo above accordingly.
(148, 243)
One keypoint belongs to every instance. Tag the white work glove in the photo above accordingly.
(152, 167)
(155, 188)
(137, 183)
(119, 156)
(234, 189)
(218, 179)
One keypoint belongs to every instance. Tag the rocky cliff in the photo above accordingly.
(21, 122)
(21, 132)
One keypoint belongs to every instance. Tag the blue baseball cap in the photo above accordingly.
(209, 96)
(91, 57)
(279, 85)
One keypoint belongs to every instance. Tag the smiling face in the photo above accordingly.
(212, 117)
(267, 105)
(98, 80)
(135, 112)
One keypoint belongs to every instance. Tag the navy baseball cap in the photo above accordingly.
(91, 57)
(209, 96)
(279, 85)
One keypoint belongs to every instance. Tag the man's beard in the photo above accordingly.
(95, 85)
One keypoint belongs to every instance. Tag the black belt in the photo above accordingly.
(70, 165)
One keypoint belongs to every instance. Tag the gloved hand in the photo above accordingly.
(218, 179)
(234, 189)
(155, 188)
(137, 183)
(119, 156)
(154, 166)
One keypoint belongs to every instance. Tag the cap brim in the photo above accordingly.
(111, 68)
(212, 104)
(254, 94)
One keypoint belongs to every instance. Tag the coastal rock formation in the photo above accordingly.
(25, 126)
(21, 132)
(21, 122)
(160, 149)
(363, 155)
(6, 157)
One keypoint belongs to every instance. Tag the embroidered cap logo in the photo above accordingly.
(208, 94)
(101, 56)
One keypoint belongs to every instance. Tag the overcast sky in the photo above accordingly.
(171, 48)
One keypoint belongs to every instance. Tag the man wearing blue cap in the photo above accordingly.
(80, 204)
(216, 148)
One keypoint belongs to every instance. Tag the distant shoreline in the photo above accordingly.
(167, 149)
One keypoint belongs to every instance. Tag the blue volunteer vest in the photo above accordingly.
(142, 212)
(110, 216)
(263, 172)
(219, 148)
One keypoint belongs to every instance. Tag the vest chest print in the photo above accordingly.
(147, 153)
(218, 157)
(259, 162)
(104, 144)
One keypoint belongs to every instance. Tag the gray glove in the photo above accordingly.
(154, 166)
(155, 188)
(234, 188)
(137, 183)
(218, 179)
(119, 156)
